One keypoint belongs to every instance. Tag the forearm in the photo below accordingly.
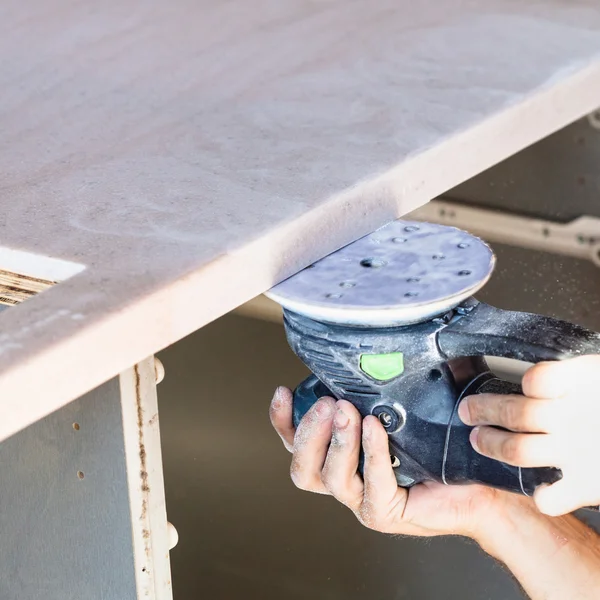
(552, 558)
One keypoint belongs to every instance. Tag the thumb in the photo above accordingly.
(560, 498)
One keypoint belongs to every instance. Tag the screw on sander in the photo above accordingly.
(390, 418)
(390, 323)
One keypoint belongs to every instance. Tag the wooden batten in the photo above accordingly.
(16, 288)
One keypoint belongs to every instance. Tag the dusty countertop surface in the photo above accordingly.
(188, 155)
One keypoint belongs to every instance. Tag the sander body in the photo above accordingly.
(390, 324)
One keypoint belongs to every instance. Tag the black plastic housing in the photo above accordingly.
(443, 362)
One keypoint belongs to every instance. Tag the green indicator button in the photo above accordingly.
(382, 367)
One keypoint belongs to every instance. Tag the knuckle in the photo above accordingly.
(483, 442)
(475, 409)
(511, 449)
(275, 420)
(373, 516)
(369, 455)
(300, 479)
(510, 414)
(338, 440)
(329, 478)
(367, 518)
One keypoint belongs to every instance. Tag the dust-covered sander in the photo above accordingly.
(389, 323)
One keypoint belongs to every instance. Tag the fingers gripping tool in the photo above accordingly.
(390, 324)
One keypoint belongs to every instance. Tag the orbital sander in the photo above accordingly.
(390, 324)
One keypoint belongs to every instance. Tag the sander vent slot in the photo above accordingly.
(338, 371)
(344, 378)
(313, 340)
(363, 392)
(328, 363)
(346, 375)
(320, 354)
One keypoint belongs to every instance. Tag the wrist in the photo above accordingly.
(502, 523)
(552, 557)
(516, 521)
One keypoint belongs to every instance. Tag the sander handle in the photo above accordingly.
(530, 478)
(483, 330)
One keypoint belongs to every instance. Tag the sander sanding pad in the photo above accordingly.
(405, 272)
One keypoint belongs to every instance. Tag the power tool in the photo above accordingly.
(390, 323)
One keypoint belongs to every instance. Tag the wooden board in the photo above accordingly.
(82, 509)
(190, 154)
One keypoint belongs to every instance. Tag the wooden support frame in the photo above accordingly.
(82, 505)
(145, 481)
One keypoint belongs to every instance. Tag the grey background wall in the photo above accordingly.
(245, 531)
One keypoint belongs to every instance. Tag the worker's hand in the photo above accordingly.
(325, 459)
(556, 424)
